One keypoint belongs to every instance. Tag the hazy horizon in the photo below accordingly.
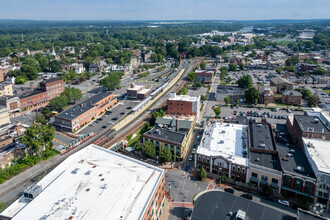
(148, 10)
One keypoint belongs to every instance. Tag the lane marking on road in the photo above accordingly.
(182, 204)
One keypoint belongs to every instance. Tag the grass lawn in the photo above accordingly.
(327, 91)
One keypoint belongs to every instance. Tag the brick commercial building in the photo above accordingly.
(291, 97)
(173, 134)
(183, 105)
(204, 76)
(53, 86)
(281, 84)
(234, 93)
(137, 91)
(82, 113)
(265, 166)
(12, 103)
(309, 127)
(94, 183)
(33, 100)
(223, 150)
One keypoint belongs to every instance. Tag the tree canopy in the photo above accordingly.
(245, 81)
(165, 155)
(148, 149)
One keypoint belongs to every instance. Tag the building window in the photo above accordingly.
(243, 170)
(254, 175)
(233, 168)
(264, 178)
(274, 181)
(238, 169)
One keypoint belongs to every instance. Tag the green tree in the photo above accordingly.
(191, 76)
(40, 118)
(241, 66)
(55, 66)
(165, 155)
(72, 94)
(38, 137)
(217, 111)
(266, 102)
(137, 145)
(202, 173)
(3, 206)
(251, 94)
(111, 82)
(154, 57)
(226, 99)
(290, 69)
(59, 103)
(314, 100)
(267, 190)
(184, 90)
(320, 71)
(245, 81)
(46, 111)
(202, 65)
(149, 149)
(279, 70)
(232, 67)
(223, 74)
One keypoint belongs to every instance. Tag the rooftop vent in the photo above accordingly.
(257, 159)
(88, 172)
(300, 169)
(262, 146)
(75, 171)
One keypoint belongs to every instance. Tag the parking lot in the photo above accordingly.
(110, 118)
(273, 117)
(258, 76)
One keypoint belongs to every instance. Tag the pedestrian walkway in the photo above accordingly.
(210, 186)
(182, 204)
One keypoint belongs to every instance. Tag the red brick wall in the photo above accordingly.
(35, 101)
(157, 198)
(179, 108)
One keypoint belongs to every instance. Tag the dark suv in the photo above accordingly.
(229, 190)
(247, 196)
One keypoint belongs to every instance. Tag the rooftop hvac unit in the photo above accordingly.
(31, 192)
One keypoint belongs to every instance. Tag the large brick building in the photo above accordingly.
(183, 105)
(80, 114)
(308, 126)
(53, 86)
(291, 97)
(35, 99)
(281, 84)
(172, 134)
(32, 100)
(204, 76)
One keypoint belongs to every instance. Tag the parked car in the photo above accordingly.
(198, 138)
(247, 196)
(229, 190)
(283, 202)
(190, 158)
(104, 126)
(100, 119)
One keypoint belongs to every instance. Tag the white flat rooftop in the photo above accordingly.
(144, 91)
(319, 152)
(106, 185)
(135, 88)
(186, 98)
(222, 139)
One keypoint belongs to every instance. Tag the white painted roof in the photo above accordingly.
(185, 98)
(319, 151)
(144, 91)
(222, 139)
(124, 193)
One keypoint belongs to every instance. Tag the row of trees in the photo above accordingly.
(69, 95)
(112, 81)
(251, 93)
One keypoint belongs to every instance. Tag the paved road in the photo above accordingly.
(13, 187)
(184, 189)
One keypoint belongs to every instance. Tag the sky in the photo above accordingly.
(164, 10)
